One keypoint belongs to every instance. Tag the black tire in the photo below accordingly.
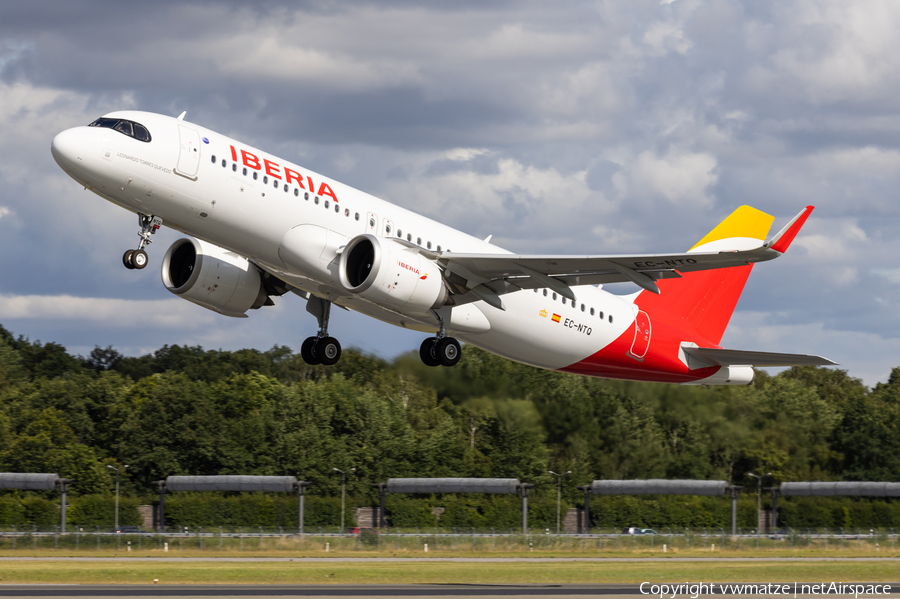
(126, 259)
(139, 259)
(328, 350)
(307, 351)
(426, 352)
(448, 351)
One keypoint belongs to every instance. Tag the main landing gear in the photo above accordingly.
(138, 258)
(441, 350)
(320, 349)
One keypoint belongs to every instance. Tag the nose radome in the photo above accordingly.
(65, 147)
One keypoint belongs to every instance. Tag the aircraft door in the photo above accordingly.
(189, 152)
(641, 336)
(388, 228)
(371, 224)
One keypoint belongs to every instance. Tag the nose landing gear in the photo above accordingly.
(138, 258)
(320, 349)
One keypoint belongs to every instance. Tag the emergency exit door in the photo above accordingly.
(641, 342)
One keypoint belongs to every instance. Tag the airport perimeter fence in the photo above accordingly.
(319, 540)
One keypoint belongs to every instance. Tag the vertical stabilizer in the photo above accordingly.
(707, 299)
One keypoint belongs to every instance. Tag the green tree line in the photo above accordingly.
(186, 410)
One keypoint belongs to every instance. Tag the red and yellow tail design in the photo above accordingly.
(704, 301)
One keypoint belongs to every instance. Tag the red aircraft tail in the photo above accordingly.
(704, 301)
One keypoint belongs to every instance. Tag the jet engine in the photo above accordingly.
(392, 275)
(215, 278)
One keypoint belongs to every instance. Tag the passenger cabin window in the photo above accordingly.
(337, 210)
(428, 245)
(214, 159)
(592, 311)
(296, 192)
(356, 217)
(438, 248)
(126, 127)
(223, 163)
(346, 212)
(418, 241)
(265, 179)
(255, 175)
(234, 167)
(409, 237)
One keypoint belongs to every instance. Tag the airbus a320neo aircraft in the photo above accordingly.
(261, 226)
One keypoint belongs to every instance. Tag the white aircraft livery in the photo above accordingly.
(261, 227)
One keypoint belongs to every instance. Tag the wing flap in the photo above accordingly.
(738, 357)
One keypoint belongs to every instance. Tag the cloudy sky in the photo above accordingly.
(577, 127)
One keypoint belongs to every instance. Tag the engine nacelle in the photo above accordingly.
(213, 277)
(392, 275)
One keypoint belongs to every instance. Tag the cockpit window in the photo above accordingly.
(129, 128)
(141, 133)
(125, 127)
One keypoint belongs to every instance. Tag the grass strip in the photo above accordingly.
(126, 572)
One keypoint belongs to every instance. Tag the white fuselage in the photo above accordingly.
(202, 183)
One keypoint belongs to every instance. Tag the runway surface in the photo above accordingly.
(544, 591)
(452, 559)
(445, 591)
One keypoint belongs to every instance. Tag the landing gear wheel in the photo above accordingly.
(307, 351)
(328, 350)
(126, 260)
(448, 351)
(139, 259)
(427, 353)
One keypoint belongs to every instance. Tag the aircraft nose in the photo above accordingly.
(66, 149)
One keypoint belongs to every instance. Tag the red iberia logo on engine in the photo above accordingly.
(409, 267)
(555, 318)
(423, 277)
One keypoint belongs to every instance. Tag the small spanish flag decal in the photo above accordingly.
(555, 318)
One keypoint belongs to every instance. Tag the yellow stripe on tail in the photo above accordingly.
(745, 222)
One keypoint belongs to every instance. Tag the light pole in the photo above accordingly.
(117, 491)
(558, 492)
(758, 496)
(343, 492)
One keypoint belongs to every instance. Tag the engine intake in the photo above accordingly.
(213, 277)
(391, 275)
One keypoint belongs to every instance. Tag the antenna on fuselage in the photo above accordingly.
(181, 116)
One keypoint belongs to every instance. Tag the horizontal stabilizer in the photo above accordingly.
(737, 357)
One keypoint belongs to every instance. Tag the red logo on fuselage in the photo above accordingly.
(274, 170)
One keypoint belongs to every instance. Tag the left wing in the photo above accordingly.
(488, 276)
